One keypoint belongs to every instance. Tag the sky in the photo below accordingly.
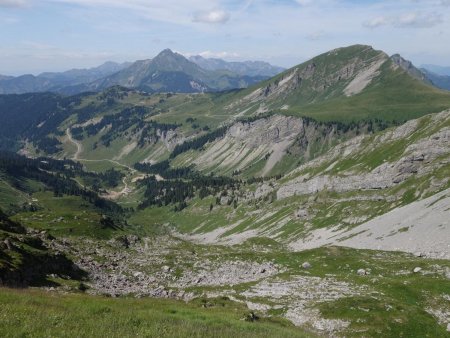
(56, 35)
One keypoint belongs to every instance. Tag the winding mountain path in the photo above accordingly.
(112, 194)
(130, 178)
(76, 143)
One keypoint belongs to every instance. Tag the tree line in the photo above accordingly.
(56, 175)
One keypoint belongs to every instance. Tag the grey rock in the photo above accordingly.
(361, 272)
(306, 265)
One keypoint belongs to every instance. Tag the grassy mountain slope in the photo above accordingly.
(345, 84)
(25, 260)
(84, 316)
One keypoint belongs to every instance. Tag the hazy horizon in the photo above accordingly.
(58, 35)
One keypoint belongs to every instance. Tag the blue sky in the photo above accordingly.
(55, 35)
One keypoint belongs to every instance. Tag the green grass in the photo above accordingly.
(33, 313)
(66, 215)
(11, 198)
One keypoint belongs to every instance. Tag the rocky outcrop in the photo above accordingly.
(408, 67)
(170, 138)
(26, 259)
(417, 159)
(267, 139)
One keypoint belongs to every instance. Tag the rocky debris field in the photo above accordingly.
(270, 283)
(299, 294)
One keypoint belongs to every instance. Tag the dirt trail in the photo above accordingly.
(76, 143)
(131, 177)
(112, 194)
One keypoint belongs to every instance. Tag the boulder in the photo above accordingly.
(301, 213)
(166, 268)
(306, 265)
(361, 272)
(417, 269)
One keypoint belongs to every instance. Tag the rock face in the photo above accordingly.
(417, 160)
(249, 142)
(170, 138)
(266, 139)
(365, 75)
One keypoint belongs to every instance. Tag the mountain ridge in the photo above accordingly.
(440, 81)
(172, 72)
(439, 70)
(250, 68)
(56, 81)
(166, 72)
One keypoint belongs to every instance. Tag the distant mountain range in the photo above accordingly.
(439, 70)
(167, 72)
(55, 82)
(439, 76)
(172, 72)
(250, 68)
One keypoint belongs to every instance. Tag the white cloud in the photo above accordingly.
(417, 20)
(13, 3)
(304, 2)
(316, 35)
(170, 11)
(8, 20)
(411, 20)
(377, 22)
(213, 16)
(220, 55)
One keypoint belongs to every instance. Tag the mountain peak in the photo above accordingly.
(408, 67)
(166, 52)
